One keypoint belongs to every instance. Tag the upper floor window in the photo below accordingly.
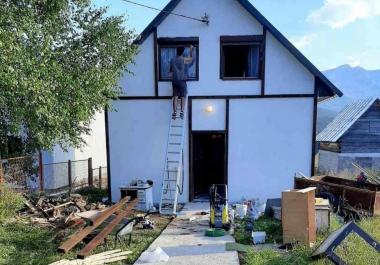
(167, 50)
(241, 57)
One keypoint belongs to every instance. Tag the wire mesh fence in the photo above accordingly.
(20, 172)
(100, 177)
(26, 173)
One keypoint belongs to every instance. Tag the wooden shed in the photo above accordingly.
(352, 137)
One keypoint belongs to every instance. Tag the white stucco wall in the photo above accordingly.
(138, 131)
(202, 120)
(96, 143)
(284, 74)
(95, 146)
(226, 18)
(141, 81)
(269, 141)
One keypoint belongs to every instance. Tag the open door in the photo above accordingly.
(208, 162)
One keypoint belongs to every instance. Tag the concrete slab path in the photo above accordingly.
(185, 243)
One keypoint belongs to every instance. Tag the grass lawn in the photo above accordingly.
(22, 243)
(354, 250)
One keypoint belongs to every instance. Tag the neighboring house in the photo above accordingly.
(252, 104)
(95, 148)
(353, 136)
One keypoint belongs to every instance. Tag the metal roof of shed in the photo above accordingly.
(344, 120)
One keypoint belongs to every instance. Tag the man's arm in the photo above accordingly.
(190, 59)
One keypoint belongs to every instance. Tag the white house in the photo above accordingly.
(251, 108)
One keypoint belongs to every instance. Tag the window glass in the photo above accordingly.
(241, 61)
(169, 53)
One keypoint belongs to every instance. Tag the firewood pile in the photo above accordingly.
(58, 211)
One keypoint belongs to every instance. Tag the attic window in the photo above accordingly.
(167, 50)
(241, 57)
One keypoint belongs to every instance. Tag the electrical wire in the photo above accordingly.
(204, 19)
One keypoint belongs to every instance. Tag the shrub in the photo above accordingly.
(10, 203)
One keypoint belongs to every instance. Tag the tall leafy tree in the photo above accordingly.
(60, 62)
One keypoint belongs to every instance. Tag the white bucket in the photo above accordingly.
(241, 210)
(258, 237)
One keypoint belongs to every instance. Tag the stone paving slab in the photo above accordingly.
(185, 243)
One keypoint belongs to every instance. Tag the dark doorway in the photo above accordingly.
(209, 162)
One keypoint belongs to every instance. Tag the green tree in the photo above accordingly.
(60, 62)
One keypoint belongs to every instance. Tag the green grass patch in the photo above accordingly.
(271, 226)
(353, 250)
(10, 203)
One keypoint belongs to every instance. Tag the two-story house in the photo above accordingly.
(251, 108)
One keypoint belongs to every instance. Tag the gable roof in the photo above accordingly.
(344, 120)
(328, 88)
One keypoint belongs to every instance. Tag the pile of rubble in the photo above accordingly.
(58, 211)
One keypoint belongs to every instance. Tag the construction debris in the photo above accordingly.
(93, 224)
(97, 259)
(59, 211)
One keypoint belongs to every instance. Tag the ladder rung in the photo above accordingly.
(175, 143)
(177, 126)
(175, 134)
(174, 152)
(171, 170)
(170, 180)
(173, 161)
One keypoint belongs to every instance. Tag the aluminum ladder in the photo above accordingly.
(173, 170)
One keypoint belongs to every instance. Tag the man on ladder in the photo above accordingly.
(178, 67)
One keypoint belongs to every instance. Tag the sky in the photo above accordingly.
(329, 33)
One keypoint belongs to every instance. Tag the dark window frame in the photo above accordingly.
(248, 40)
(174, 43)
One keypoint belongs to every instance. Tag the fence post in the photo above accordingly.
(69, 173)
(41, 171)
(90, 175)
(1, 173)
(100, 177)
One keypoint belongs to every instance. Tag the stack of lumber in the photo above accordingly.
(98, 259)
(76, 238)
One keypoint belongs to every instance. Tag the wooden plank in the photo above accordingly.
(78, 237)
(99, 238)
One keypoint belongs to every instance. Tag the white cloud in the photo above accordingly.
(304, 41)
(338, 13)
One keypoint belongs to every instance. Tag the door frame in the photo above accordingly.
(190, 136)
(191, 153)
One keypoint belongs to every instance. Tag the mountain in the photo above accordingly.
(355, 83)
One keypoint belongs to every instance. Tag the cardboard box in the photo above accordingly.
(298, 216)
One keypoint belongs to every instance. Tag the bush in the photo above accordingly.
(10, 203)
(93, 194)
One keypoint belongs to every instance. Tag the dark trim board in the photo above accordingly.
(220, 97)
(227, 138)
(108, 156)
(156, 69)
(241, 38)
(263, 57)
(178, 41)
(314, 134)
(190, 147)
